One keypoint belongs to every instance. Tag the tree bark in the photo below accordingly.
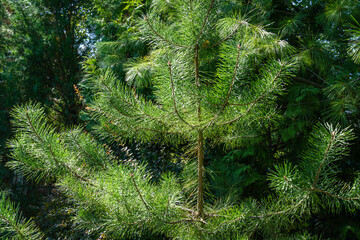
(200, 193)
(200, 144)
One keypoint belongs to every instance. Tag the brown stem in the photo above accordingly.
(200, 195)
(196, 61)
(200, 144)
(138, 191)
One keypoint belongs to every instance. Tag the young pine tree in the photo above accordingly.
(215, 75)
(216, 78)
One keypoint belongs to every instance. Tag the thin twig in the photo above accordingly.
(205, 20)
(283, 211)
(308, 82)
(331, 195)
(186, 220)
(313, 189)
(138, 191)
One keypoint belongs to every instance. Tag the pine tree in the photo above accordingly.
(217, 76)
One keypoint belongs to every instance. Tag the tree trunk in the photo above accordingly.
(200, 144)
(200, 194)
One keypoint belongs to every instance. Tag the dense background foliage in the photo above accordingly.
(50, 50)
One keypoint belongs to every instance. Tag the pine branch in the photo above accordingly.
(332, 195)
(107, 116)
(204, 23)
(187, 220)
(282, 211)
(159, 119)
(13, 225)
(309, 82)
(138, 191)
(174, 100)
(324, 159)
(254, 102)
(51, 151)
(123, 99)
(162, 38)
(313, 189)
(84, 151)
(226, 38)
(229, 92)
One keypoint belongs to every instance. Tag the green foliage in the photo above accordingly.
(248, 49)
(13, 225)
(214, 77)
(92, 177)
(229, 178)
(354, 49)
(314, 181)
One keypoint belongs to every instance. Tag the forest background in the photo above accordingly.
(49, 48)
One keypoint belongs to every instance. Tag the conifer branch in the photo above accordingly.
(159, 119)
(282, 211)
(322, 79)
(324, 159)
(174, 100)
(236, 137)
(226, 38)
(255, 101)
(84, 151)
(309, 82)
(14, 226)
(186, 220)
(332, 195)
(161, 37)
(123, 99)
(130, 127)
(52, 153)
(229, 92)
(205, 20)
(138, 191)
(313, 189)
(186, 209)
(134, 223)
